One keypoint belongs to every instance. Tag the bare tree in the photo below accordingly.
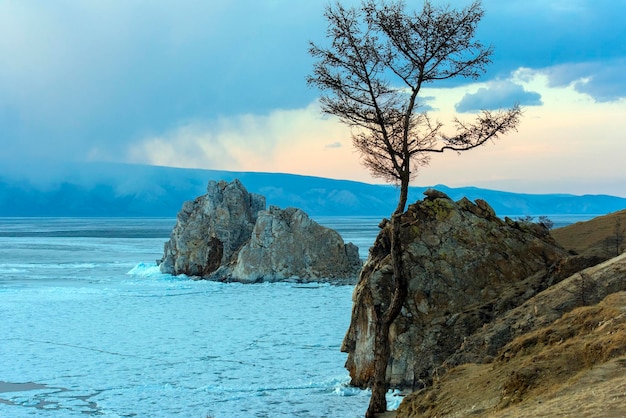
(546, 222)
(371, 74)
(618, 236)
(614, 242)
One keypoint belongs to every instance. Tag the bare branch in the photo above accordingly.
(488, 126)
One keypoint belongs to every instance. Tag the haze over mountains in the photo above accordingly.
(115, 190)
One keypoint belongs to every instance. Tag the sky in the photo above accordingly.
(221, 84)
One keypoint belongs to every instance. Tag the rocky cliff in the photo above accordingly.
(465, 267)
(227, 235)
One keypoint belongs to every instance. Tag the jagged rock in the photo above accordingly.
(465, 266)
(432, 194)
(287, 243)
(227, 235)
(211, 229)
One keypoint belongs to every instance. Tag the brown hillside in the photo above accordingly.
(595, 237)
(574, 367)
(571, 365)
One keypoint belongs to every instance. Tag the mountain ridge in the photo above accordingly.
(130, 190)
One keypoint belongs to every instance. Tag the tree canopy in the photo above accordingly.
(379, 58)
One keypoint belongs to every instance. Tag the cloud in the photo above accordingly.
(497, 95)
(98, 75)
(603, 81)
(335, 144)
(540, 34)
(228, 142)
(293, 140)
(425, 104)
(191, 145)
(221, 84)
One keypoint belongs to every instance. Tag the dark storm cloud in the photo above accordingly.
(88, 78)
(85, 80)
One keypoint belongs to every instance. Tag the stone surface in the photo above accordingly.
(465, 267)
(287, 243)
(211, 229)
(227, 235)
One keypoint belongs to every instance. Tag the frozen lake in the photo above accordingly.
(89, 326)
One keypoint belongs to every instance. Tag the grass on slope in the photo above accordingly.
(600, 236)
(575, 366)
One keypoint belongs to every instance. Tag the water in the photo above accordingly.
(88, 326)
(559, 220)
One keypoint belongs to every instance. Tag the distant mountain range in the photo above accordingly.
(116, 190)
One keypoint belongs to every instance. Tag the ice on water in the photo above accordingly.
(89, 325)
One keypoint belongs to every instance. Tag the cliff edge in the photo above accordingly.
(500, 320)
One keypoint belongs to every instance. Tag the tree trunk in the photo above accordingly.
(384, 319)
(378, 400)
(404, 195)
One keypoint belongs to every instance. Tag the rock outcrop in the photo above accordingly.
(465, 267)
(227, 235)
(211, 229)
(287, 243)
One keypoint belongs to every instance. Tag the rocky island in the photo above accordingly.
(229, 235)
